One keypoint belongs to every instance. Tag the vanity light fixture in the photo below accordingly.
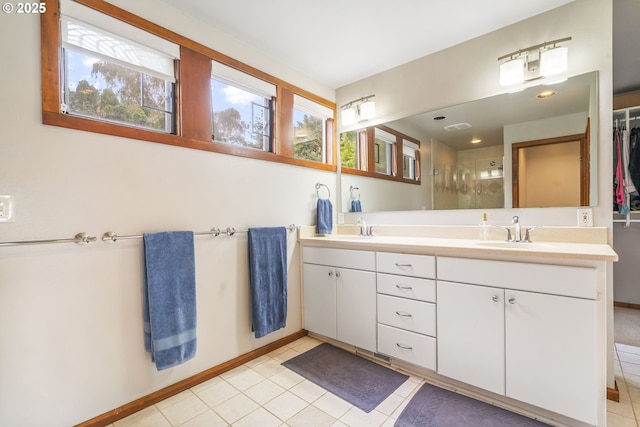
(537, 61)
(358, 110)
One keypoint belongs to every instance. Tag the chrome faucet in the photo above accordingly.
(364, 231)
(517, 231)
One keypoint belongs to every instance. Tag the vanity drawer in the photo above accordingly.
(408, 346)
(415, 316)
(346, 258)
(406, 264)
(580, 282)
(407, 287)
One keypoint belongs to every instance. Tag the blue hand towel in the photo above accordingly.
(324, 216)
(268, 279)
(356, 206)
(169, 298)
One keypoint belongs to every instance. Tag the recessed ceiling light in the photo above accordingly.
(545, 94)
(476, 141)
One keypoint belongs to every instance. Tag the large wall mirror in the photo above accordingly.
(532, 148)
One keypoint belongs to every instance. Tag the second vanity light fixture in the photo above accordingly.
(545, 59)
(358, 110)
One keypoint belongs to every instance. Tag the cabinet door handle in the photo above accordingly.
(331, 274)
(404, 346)
(512, 300)
(495, 298)
(337, 274)
(400, 313)
(404, 287)
(403, 265)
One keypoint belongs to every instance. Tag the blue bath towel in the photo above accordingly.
(356, 206)
(324, 216)
(169, 298)
(268, 279)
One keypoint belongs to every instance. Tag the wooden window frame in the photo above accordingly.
(193, 95)
(371, 160)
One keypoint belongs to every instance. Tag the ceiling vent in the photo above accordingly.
(457, 126)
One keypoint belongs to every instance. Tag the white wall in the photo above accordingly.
(71, 316)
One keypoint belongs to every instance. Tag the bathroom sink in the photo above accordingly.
(515, 245)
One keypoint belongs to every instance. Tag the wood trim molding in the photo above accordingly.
(626, 305)
(613, 393)
(160, 395)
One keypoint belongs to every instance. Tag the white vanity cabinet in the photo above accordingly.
(340, 295)
(526, 331)
(406, 307)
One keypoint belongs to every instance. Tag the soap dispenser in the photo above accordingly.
(484, 227)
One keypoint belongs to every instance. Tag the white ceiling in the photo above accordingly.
(337, 42)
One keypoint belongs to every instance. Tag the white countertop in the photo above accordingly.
(465, 247)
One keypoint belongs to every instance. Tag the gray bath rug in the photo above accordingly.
(435, 407)
(359, 381)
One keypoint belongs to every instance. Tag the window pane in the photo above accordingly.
(308, 136)
(383, 156)
(348, 149)
(240, 117)
(108, 91)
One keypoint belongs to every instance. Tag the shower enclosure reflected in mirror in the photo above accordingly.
(456, 171)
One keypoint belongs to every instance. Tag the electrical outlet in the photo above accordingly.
(585, 217)
(6, 209)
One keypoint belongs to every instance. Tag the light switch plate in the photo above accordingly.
(7, 208)
(585, 217)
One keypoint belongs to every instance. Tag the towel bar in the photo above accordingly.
(80, 239)
(111, 237)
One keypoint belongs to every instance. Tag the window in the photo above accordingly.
(353, 149)
(242, 108)
(310, 129)
(113, 78)
(410, 167)
(108, 71)
(384, 151)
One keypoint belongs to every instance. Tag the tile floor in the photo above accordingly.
(264, 393)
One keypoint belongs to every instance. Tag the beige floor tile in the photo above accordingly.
(257, 361)
(245, 379)
(286, 405)
(311, 417)
(200, 387)
(286, 378)
(631, 380)
(264, 391)
(615, 420)
(206, 419)
(620, 408)
(629, 358)
(332, 405)
(286, 355)
(174, 399)
(151, 411)
(355, 417)
(269, 367)
(153, 419)
(183, 410)
(260, 417)
(218, 393)
(390, 404)
(407, 388)
(235, 408)
(627, 349)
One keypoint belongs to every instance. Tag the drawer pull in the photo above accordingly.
(404, 287)
(399, 313)
(403, 265)
(512, 300)
(495, 298)
(404, 346)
